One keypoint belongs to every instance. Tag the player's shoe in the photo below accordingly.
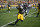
(12, 24)
(15, 25)
(36, 16)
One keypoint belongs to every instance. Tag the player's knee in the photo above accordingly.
(17, 20)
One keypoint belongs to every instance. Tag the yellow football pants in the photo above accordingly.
(20, 16)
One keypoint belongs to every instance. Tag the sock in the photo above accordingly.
(16, 21)
(37, 14)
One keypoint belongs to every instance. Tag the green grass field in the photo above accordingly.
(6, 17)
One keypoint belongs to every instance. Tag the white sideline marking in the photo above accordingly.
(8, 23)
(15, 20)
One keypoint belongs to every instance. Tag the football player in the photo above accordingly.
(20, 14)
(9, 8)
(27, 9)
(0, 7)
(38, 9)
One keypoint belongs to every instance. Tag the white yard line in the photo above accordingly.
(8, 23)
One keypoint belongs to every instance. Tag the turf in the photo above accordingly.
(6, 17)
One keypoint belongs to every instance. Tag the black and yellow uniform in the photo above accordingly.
(20, 14)
(8, 7)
